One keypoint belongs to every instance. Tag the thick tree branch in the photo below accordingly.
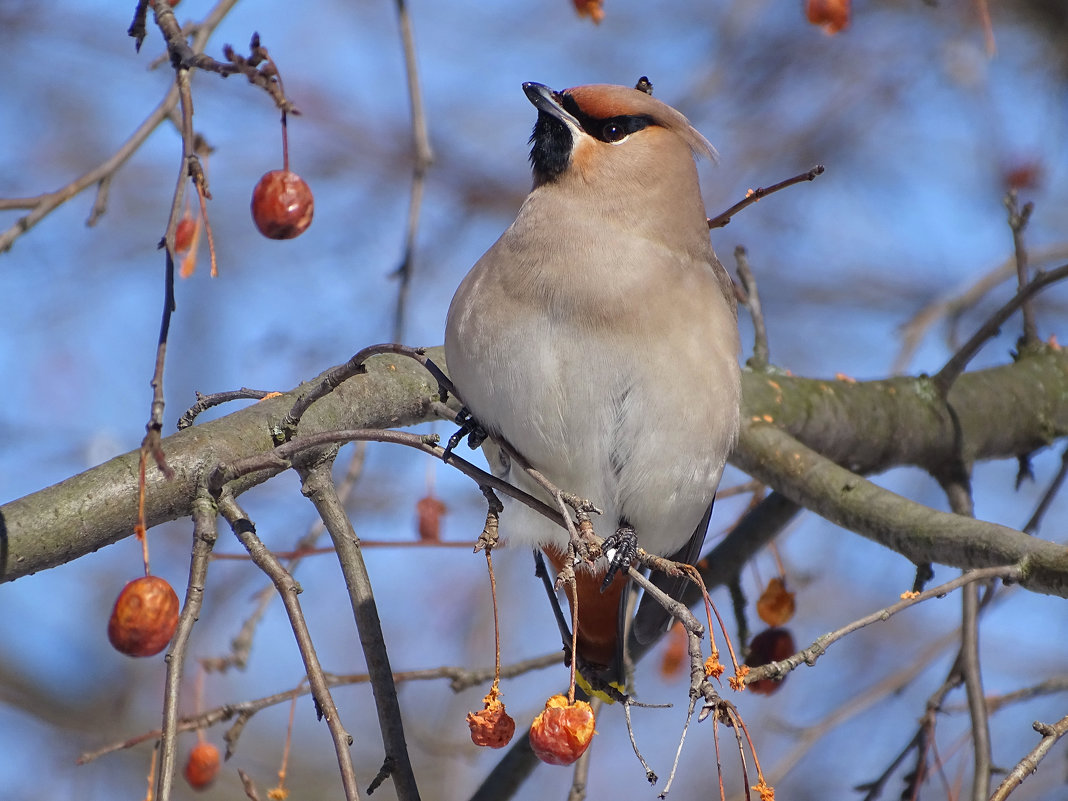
(98, 507)
(868, 426)
(918, 532)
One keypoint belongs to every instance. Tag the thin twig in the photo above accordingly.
(958, 491)
(460, 679)
(753, 195)
(152, 442)
(1018, 219)
(1057, 684)
(973, 685)
(318, 485)
(204, 537)
(241, 645)
(334, 377)
(205, 402)
(650, 774)
(288, 589)
(759, 359)
(1029, 764)
(952, 308)
(1048, 496)
(154, 427)
(777, 670)
(691, 707)
(184, 57)
(44, 204)
(945, 377)
(424, 157)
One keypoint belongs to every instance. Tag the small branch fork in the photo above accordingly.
(808, 656)
(288, 589)
(256, 66)
(459, 679)
(1051, 733)
(1018, 219)
(945, 377)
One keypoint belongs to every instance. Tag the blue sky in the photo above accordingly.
(913, 121)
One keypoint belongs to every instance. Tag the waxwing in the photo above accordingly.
(599, 337)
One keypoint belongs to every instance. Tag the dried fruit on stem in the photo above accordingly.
(429, 511)
(771, 645)
(776, 606)
(562, 732)
(144, 618)
(493, 727)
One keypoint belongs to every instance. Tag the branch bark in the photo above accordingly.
(866, 426)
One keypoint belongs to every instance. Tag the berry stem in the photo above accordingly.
(496, 625)
(285, 144)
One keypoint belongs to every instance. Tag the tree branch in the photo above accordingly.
(869, 426)
(918, 532)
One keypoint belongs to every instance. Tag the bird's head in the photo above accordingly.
(606, 134)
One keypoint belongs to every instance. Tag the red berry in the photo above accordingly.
(144, 618)
(282, 205)
(202, 766)
(429, 511)
(183, 233)
(771, 645)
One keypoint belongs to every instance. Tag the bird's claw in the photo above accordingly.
(470, 428)
(621, 549)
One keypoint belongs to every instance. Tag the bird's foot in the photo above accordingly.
(470, 428)
(621, 549)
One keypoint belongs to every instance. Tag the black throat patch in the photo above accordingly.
(551, 144)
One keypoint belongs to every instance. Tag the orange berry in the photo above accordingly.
(831, 15)
(144, 618)
(776, 605)
(594, 9)
(202, 766)
(492, 727)
(562, 732)
(282, 205)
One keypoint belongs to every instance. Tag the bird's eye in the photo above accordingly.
(613, 132)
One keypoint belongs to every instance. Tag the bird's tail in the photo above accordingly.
(600, 617)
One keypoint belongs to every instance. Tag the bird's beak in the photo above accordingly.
(548, 101)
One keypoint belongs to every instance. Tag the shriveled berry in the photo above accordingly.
(429, 511)
(492, 727)
(770, 645)
(562, 732)
(202, 765)
(776, 605)
(282, 205)
(144, 618)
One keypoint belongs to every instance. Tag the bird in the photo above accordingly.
(598, 336)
